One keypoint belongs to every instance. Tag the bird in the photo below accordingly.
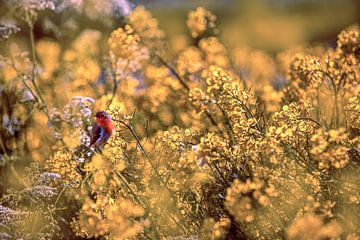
(101, 130)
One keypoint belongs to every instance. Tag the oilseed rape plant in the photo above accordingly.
(209, 141)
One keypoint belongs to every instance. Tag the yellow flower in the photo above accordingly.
(199, 21)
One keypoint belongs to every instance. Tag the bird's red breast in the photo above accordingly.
(106, 124)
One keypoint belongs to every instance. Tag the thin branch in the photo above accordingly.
(183, 83)
(144, 153)
(173, 71)
(127, 185)
(311, 120)
(37, 89)
(115, 83)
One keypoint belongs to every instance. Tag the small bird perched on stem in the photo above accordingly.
(100, 133)
(101, 130)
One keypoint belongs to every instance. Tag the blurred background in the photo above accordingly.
(269, 25)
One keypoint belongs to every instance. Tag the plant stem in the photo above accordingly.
(183, 83)
(37, 89)
(144, 153)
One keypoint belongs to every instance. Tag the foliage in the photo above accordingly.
(210, 142)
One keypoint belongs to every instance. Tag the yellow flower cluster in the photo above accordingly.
(291, 123)
(247, 60)
(64, 164)
(161, 86)
(107, 216)
(306, 70)
(353, 111)
(126, 52)
(216, 230)
(201, 21)
(211, 147)
(49, 54)
(81, 62)
(329, 72)
(215, 52)
(329, 148)
(240, 198)
(182, 162)
(349, 39)
(145, 25)
(190, 62)
(113, 150)
(262, 80)
(216, 80)
(224, 94)
(313, 227)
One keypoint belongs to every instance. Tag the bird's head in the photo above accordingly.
(102, 119)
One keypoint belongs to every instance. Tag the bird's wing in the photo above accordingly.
(95, 134)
